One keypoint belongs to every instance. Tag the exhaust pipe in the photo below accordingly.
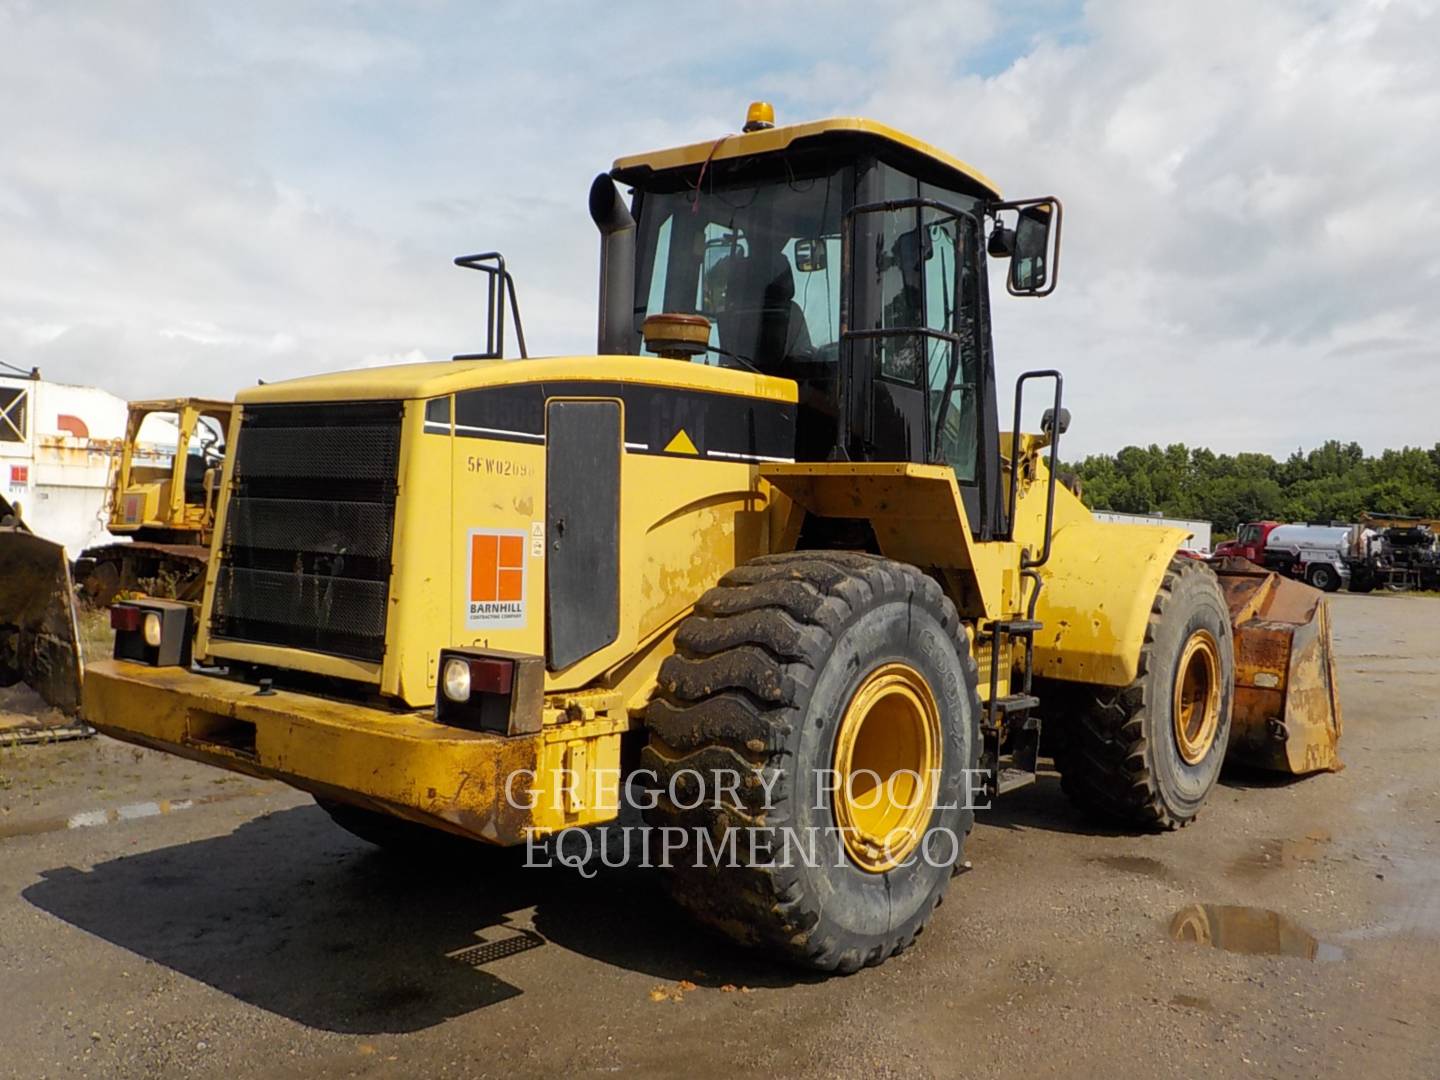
(617, 267)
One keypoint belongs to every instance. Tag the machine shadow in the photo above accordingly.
(291, 915)
(1043, 806)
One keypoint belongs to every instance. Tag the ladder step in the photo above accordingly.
(1012, 703)
(1010, 779)
(1015, 627)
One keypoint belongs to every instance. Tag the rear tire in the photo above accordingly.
(1127, 754)
(768, 679)
(1323, 576)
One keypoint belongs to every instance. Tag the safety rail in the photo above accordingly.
(499, 286)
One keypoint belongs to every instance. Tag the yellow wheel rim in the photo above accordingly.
(887, 760)
(1196, 708)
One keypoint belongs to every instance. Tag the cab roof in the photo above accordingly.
(635, 167)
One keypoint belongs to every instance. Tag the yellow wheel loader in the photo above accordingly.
(766, 565)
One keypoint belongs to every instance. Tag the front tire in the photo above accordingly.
(799, 673)
(1146, 755)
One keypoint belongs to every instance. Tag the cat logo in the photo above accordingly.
(495, 585)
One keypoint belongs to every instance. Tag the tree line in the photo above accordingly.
(1334, 482)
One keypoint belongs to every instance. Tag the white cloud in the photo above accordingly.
(193, 197)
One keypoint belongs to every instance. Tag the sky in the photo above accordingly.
(194, 196)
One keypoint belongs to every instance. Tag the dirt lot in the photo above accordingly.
(242, 934)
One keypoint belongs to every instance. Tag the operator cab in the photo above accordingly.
(843, 255)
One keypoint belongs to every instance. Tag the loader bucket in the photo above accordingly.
(1287, 706)
(38, 637)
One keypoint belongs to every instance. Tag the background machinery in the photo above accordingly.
(1325, 556)
(767, 558)
(163, 481)
(162, 506)
(1398, 553)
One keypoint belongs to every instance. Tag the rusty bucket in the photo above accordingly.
(1287, 706)
(38, 639)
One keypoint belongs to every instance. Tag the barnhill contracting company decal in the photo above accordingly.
(495, 586)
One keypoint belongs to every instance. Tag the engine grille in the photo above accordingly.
(305, 561)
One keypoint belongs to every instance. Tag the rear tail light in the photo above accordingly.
(503, 694)
(155, 632)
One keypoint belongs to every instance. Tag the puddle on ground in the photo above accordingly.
(1273, 854)
(1252, 931)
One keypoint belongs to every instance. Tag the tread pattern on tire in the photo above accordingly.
(1103, 755)
(731, 696)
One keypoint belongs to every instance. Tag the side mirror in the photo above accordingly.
(810, 256)
(1033, 246)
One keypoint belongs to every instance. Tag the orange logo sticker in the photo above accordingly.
(495, 585)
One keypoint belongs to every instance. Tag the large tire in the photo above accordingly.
(773, 666)
(1121, 754)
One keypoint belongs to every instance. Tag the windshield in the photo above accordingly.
(761, 261)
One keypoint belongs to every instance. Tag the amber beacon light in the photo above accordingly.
(759, 116)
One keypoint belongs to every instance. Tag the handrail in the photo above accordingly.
(492, 264)
(1026, 562)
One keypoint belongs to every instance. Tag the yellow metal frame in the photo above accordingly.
(918, 517)
(489, 787)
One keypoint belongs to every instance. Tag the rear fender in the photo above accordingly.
(918, 517)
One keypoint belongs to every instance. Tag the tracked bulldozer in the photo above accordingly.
(163, 509)
(767, 562)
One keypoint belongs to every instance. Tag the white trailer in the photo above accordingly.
(57, 443)
(1199, 541)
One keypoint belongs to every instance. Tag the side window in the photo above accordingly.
(14, 403)
(952, 306)
(897, 263)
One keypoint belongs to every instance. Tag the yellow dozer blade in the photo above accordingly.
(38, 639)
(1287, 706)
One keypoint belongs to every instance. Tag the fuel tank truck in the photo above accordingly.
(1325, 556)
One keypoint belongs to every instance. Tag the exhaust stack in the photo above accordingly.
(617, 267)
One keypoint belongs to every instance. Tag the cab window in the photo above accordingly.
(761, 261)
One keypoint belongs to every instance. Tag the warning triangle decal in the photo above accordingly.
(681, 444)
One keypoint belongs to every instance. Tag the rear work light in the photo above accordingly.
(154, 632)
(487, 675)
(498, 692)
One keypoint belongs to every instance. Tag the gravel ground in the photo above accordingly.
(206, 924)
